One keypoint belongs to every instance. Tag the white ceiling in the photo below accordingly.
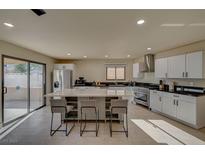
(96, 33)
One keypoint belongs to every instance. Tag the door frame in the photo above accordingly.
(28, 86)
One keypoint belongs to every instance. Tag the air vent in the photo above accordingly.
(39, 12)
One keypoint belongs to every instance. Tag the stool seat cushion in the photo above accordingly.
(119, 106)
(118, 110)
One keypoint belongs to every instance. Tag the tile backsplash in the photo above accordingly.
(147, 77)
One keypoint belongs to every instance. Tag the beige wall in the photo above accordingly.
(94, 70)
(16, 51)
(197, 46)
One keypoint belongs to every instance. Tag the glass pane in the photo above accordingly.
(36, 86)
(110, 73)
(120, 73)
(15, 88)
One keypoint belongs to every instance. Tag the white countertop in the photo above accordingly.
(93, 92)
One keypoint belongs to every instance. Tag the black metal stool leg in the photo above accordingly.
(61, 118)
(81, 122)
(51, 128)
(125, 129)
(52, 132)
(66, 129)
(127, 124)
(83, 127)
(85, 124)
(68, 132)
(96, 121)
(111, 123)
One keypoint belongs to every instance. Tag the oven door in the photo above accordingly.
(141, 98)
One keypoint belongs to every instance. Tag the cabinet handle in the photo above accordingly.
(174, 102)
(186, 74)
(177, 102)
(176, 96)
(183, 74)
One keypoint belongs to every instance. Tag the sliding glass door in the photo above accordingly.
(15, 89)
(36, 85)
(23, 87)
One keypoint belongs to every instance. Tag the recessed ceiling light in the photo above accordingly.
(68, 54)
(8, 24)
(84, 56)
(140, 22)
(172, 25)
(106, 56)
(197, 24)
(128, 56)
(148, 49)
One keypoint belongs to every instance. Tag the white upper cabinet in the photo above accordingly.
(64, 66)
(135, 70)
(182, 66)
(194, 65)
(176, 66)
(161, 68)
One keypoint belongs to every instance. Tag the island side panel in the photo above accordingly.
(100, 103)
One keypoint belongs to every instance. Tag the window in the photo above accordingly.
(110, 73)
(115, 72)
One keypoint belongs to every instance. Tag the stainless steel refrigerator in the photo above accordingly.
(62, 79)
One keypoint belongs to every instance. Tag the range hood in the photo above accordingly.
(148, 63)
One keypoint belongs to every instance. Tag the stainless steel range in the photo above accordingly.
(141, 96)
(142, 92)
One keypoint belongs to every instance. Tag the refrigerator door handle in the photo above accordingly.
(5, 90)
(61, 80)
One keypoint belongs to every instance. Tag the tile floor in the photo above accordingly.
(145, 127)
(14, 109)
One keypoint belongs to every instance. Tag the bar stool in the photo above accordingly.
(119, 106)
(60, 106)
(86, 106)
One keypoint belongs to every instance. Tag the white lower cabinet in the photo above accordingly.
(155, 100)
(181, 107)
(186, 110)
(168, 106)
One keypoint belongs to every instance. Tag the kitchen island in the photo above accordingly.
(102, 96)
